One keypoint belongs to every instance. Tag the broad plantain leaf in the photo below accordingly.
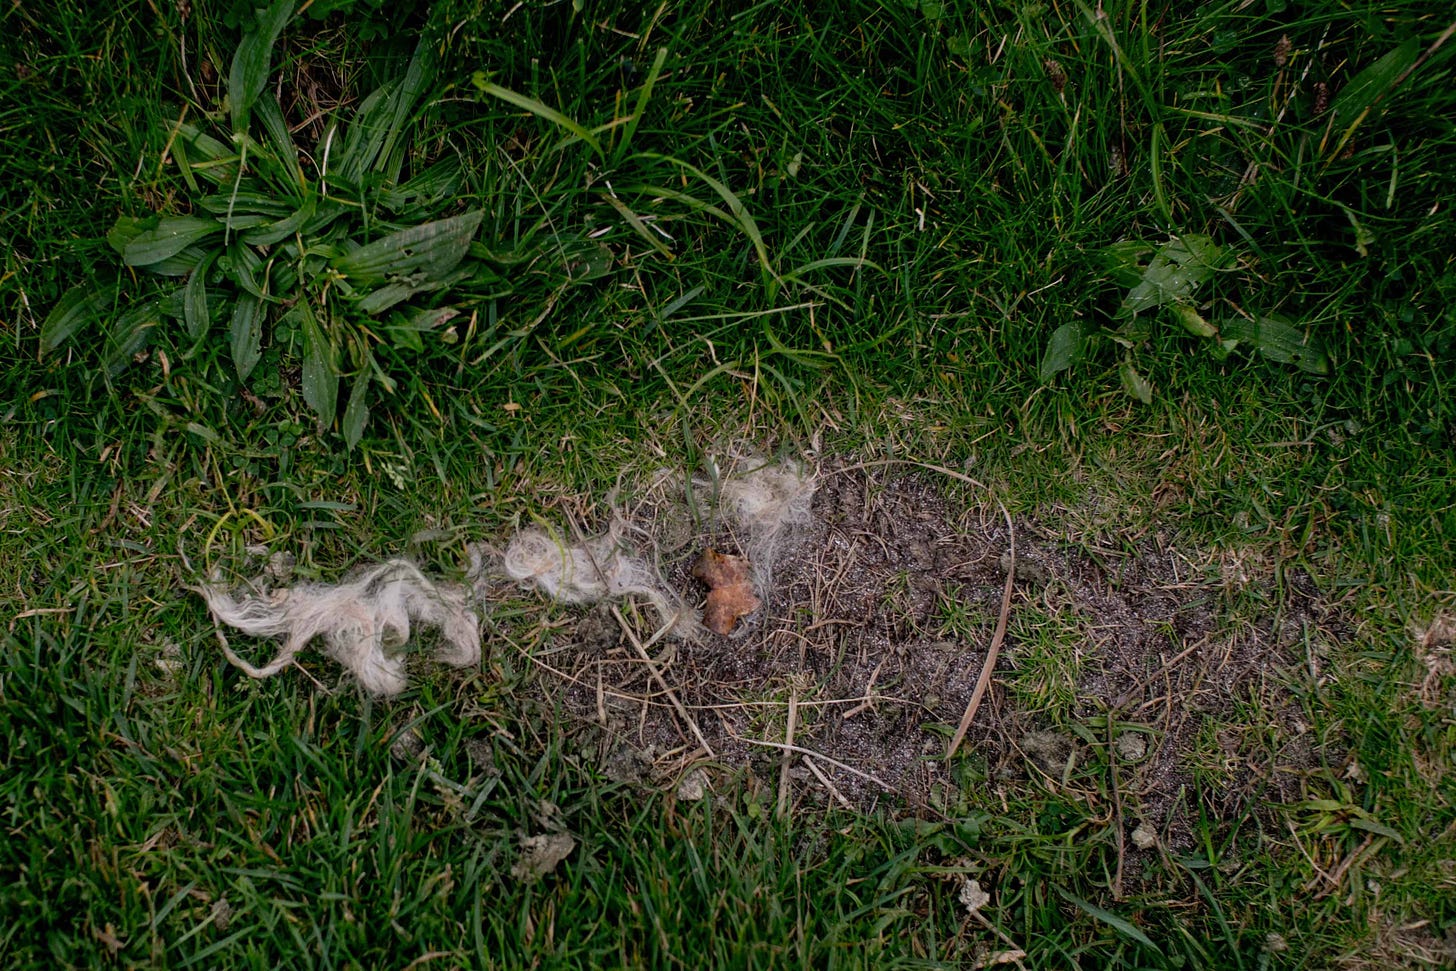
(433, 250)
(1192, 321)
(273, 232)
(253, 61)
(194, 300)
(124, 230)
(171, 236)
(1067, 347)
(377, 301)
(356, 413)
(1280, 341)
(247, 334)
(172, 303)
(244, 201)
(320, 368)
(1123, 261)
(405, 329)
(1174, 273)
(75, 309)
(128, 335)
(198, 152)
(238, 222)
(1134, 383)
(435, 184)
(1370, 85)
(242, 265)
(180, 264)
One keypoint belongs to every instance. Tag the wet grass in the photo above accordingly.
(853, 229)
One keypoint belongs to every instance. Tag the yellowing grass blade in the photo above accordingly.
(540, 110)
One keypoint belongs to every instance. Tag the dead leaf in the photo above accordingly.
(730, 591)
(108, 939)
(541, 854)
(693, 786)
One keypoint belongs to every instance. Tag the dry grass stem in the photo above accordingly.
(822, 757)
(641, 649)
(833, 790)
(788, 759)
(993, 650)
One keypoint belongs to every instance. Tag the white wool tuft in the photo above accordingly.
(362, 622)
(768, 503)
(592, 570)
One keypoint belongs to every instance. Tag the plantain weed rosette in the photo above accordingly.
(326, 255)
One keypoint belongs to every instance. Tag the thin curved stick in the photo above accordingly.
(993, 650)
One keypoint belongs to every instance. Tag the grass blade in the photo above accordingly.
(280, 143)
(638, 226)
(643, 96)
(402, 101)
(857, 263)
(1117, 923)
(364, 138)
(740, 215)
(540, 110)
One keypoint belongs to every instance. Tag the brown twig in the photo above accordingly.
(1112, 755)
(993, 650)
(827, 784)
(869, 693)
(788, 759)
(821, 757)
(657, 676)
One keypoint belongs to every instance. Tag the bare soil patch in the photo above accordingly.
(1138, 674)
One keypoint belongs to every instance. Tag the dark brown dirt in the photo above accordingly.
(1178, 666)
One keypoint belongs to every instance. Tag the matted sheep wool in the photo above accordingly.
(594, 569)
(363, 623)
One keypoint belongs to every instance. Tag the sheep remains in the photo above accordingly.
(362, 622)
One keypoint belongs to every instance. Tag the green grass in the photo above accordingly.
(872, 218)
